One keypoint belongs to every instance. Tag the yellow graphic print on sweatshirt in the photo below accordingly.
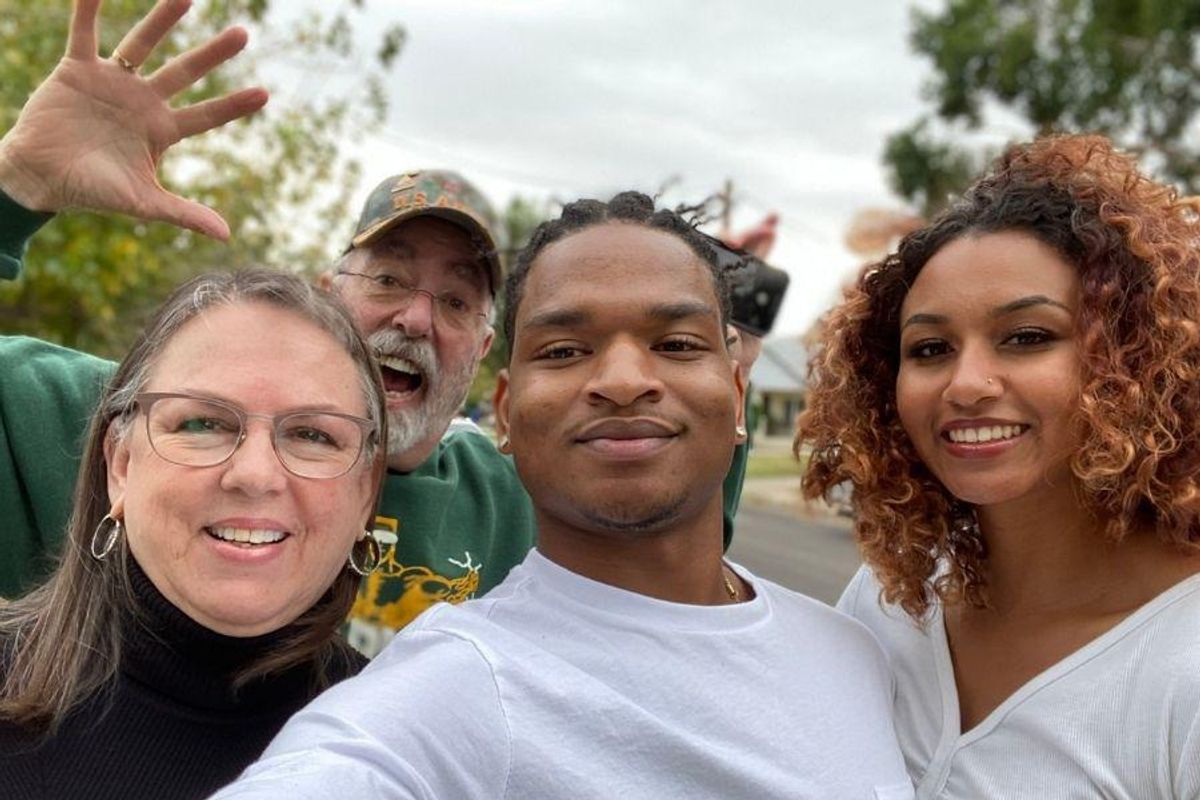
(395, 594)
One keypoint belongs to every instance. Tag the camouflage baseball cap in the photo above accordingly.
(433, 192)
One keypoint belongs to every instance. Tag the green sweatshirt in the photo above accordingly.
(452, 529)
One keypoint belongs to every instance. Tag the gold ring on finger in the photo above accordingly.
(123, 62)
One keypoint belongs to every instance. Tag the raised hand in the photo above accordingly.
(756, 241)
(92, 134)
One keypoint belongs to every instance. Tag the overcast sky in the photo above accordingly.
(555, 99)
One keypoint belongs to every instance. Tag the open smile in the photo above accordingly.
(982, 439)
(402, 378)
(984, 433)
(247, 537)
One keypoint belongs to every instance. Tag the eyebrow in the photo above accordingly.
(1008, 308)
(571, 317)
(312, 408)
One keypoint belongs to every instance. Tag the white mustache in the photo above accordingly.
(395, 343)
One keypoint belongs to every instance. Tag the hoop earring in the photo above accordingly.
(374, 555)
(105, 537)
(502, 445)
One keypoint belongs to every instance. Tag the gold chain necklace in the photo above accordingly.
(730, 589)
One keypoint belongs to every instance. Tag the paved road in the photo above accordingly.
(816, 557)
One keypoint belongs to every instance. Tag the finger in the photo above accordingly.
(213, 113)
(137, 45)
(81, 41)
(181, 72)
(176, 210)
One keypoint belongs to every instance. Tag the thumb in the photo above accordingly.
(188, 214)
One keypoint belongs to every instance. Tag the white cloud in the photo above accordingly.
(790, 100)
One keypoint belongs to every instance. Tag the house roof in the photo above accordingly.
(781, 367)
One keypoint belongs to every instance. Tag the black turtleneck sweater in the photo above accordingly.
(172, 727)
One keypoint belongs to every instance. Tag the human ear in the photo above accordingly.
(116, 460)
(500, 404)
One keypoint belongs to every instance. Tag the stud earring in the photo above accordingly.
(740, 430)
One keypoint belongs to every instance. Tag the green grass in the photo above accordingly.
(772, 465)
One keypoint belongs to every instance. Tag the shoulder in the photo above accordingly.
(1167, 640)
(425, 719)
(433, 680)
(815, 615)
(25, 354)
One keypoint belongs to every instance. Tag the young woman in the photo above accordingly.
(1015, 394)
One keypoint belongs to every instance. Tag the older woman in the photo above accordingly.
(218, 531)
(1015, 394)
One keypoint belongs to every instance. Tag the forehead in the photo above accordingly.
(617, 268)
(430, 240)
(257, 354)
(991, 269)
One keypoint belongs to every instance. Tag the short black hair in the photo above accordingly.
(631, 207)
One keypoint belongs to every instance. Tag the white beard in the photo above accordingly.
(444, 391)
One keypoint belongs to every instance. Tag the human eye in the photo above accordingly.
(311, 431)
(680, 344)
(201, 425)
(926, 349)
(455, 303)
(385, 281)
(1029, 337)
(183, 415)
(559, 352)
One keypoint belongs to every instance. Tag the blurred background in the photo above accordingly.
(853, 120)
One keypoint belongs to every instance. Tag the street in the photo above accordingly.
(811, 555)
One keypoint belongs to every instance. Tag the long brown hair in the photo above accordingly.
(62, 640)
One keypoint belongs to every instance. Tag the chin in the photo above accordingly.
(632, 517)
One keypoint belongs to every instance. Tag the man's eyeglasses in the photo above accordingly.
(448, 308)
(199, 432)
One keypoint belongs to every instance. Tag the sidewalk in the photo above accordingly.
(783, 494)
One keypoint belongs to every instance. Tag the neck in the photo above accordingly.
(1052, 555)
(680, 563)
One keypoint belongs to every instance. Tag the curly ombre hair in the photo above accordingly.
(1136, 245)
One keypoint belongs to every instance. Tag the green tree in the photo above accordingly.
(1126, 68)
(278, 179)
(521, 216)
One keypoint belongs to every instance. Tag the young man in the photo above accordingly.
(419, 276)
(624, 657)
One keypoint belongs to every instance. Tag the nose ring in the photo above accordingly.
(988, 381)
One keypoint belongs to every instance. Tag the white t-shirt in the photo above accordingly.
(1118, 718)
(556, 686)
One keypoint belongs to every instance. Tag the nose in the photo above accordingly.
(624, 373)
(254, 469)
(974, 378)
(414, 315)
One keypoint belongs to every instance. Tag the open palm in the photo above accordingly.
(92, 134)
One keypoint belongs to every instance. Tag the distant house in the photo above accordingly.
(777, 385)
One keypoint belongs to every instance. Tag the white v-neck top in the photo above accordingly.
(1118, 718)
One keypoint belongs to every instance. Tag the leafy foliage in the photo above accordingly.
(520, 217)
(279, 179)
(1127, 68)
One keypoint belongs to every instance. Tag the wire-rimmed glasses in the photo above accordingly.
(196, 431)
(449, 308)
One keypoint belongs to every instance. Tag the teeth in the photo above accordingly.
(984, 434)
(400, 364)
(248, 535)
